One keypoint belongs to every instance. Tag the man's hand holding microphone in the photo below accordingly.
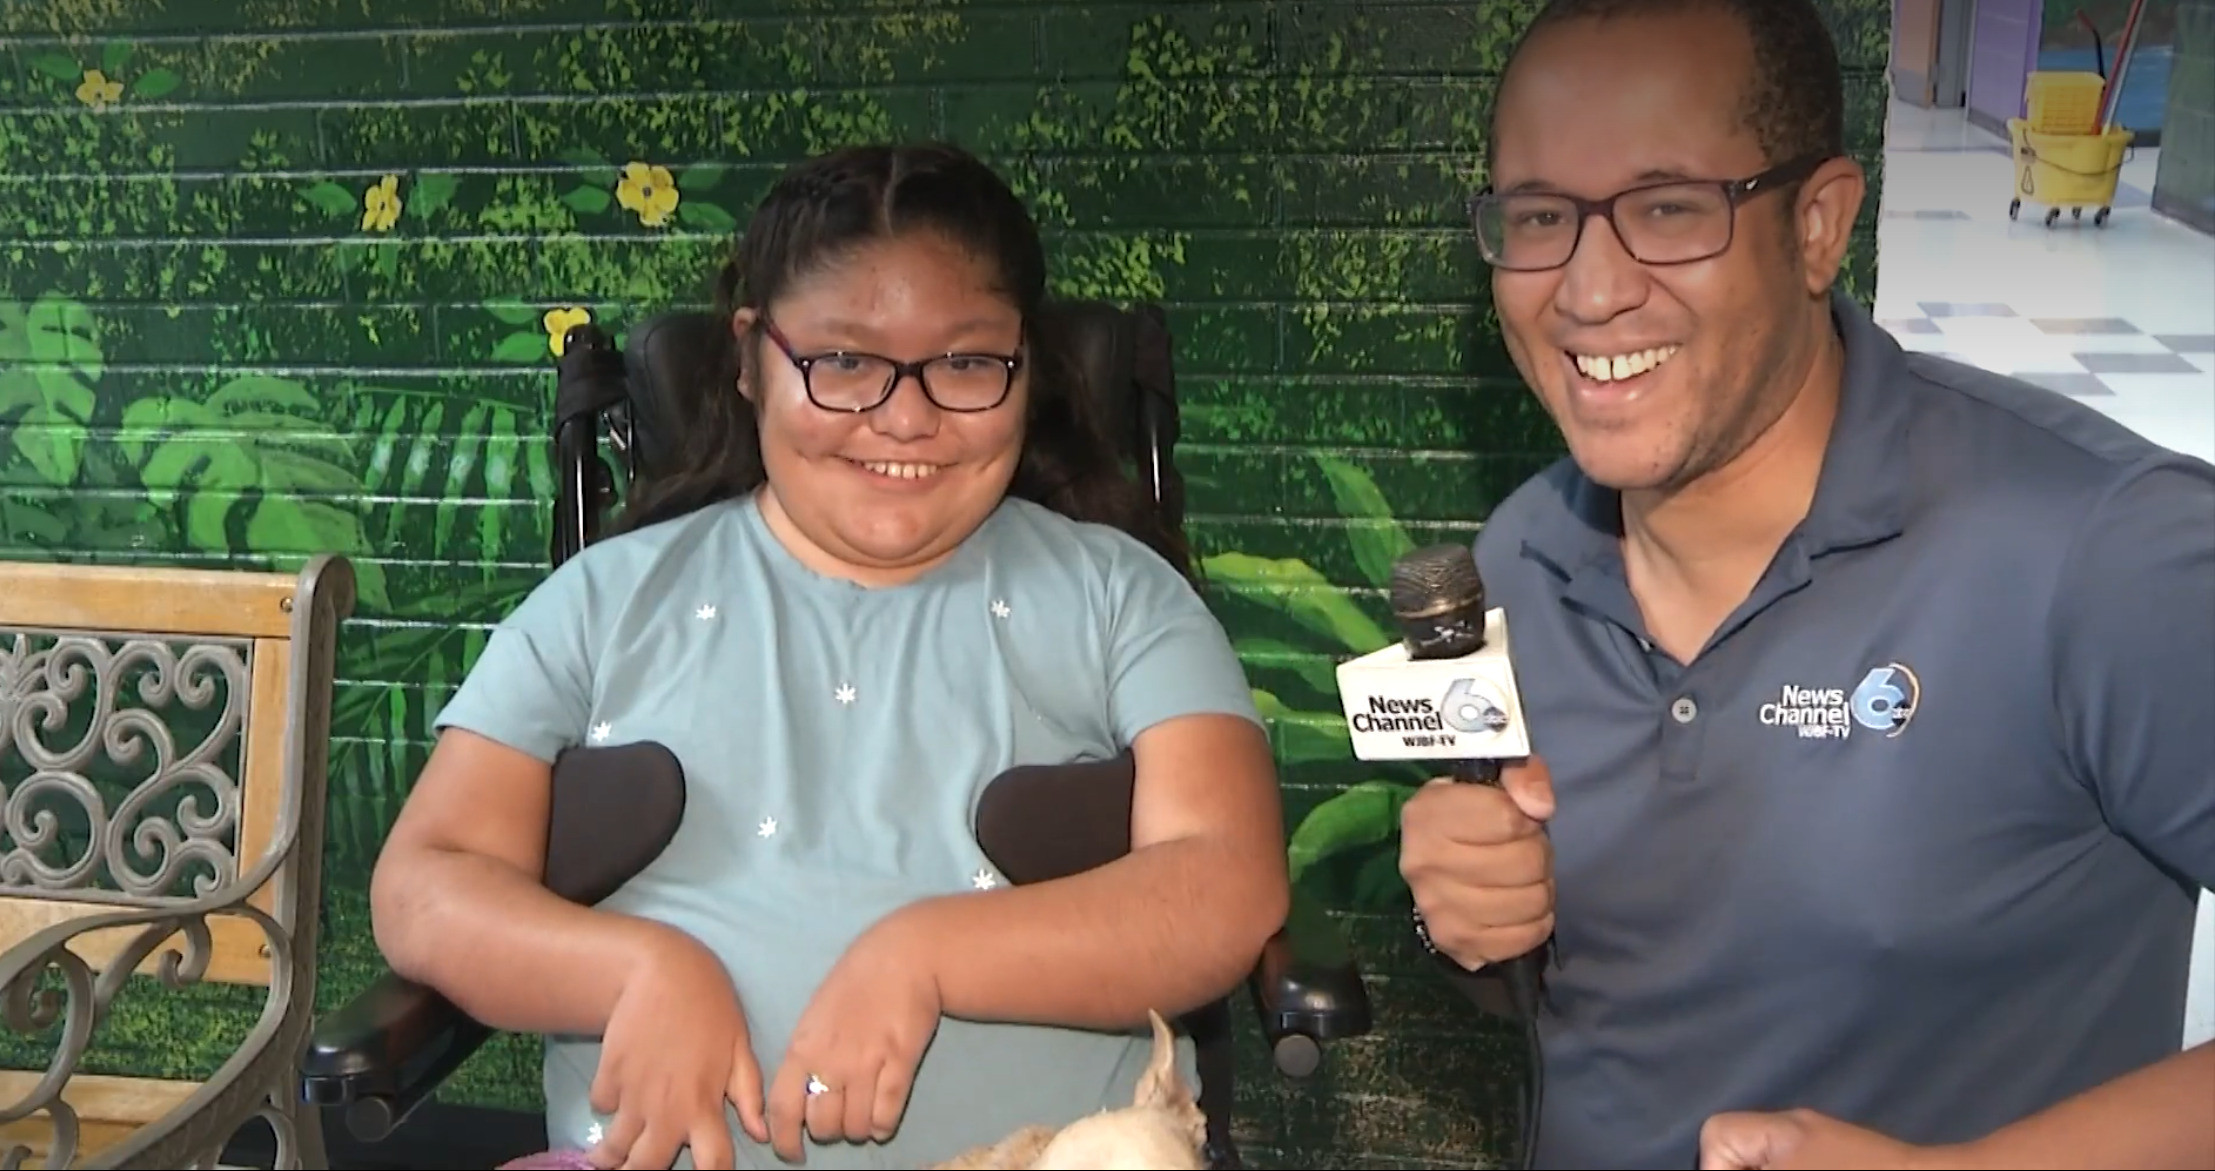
(1479, 864)
(1473, 845)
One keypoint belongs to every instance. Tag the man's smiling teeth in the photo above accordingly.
(1610, 368)
(900, 471)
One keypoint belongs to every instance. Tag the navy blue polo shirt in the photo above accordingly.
(1916, 840)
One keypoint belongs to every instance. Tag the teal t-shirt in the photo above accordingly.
(835, 740)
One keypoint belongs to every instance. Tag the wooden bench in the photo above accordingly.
(164, 739)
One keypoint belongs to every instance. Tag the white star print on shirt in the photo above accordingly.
(1000, 608)
(704, 613)
(600, 731)
(844, 694)
(984, 879)
(767, 827)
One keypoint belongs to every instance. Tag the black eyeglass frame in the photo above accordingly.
(1736, 192)
(805, 364)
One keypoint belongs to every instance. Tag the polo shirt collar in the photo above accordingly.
(1860, 495)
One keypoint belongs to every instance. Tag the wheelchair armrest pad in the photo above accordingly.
(1307, 982)
(1042, 822)
(370, 1046)
(614, 811)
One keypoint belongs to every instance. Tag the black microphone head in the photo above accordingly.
(1438, 598)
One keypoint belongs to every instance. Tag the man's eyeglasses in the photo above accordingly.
(1676, 222)
(846, 381)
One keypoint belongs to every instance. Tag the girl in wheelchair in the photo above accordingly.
(900, 558)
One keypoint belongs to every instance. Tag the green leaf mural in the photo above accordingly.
(1377, 543)
(511, 312)
(520, 348)
(588, 200)
(1356, 831)
(703, 177)
(1303, 594)
(1303, 737)
(1363, 816)
(705, 217)
(331, 199)
(156, 83)
(58, 66)
(50, 363)
(252, 466)
(432, 193)
(450, 454)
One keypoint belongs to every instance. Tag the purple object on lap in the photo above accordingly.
(569, 1160)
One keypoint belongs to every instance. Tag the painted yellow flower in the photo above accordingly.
(98, 92)
(380, 205)
(649, 191)
(558, 324)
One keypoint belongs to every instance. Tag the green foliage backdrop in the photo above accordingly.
(281, 276)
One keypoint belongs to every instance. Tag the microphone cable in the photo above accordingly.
(1534, 1093)
(1521, 979)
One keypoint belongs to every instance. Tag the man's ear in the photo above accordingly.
(1829, 203)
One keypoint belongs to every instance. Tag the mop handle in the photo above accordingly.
(2111, 95)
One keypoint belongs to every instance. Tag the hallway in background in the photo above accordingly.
(2120, 317)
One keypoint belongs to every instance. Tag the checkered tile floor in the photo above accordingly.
(2120, 317)
(2073, 355)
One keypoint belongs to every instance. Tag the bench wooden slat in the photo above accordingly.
(109, 1110)
(152, 600)
(261, 773)
(236, 957)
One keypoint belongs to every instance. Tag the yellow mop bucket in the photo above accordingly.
(2063, 102)
(2072, 171)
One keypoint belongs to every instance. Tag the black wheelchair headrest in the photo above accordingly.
(1123, 357)
(652, 388)
(672, 362)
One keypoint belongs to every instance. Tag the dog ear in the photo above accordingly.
(1162, 1088)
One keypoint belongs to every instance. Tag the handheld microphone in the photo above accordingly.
(1446, 693)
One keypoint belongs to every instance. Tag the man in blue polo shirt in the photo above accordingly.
(1872, 696)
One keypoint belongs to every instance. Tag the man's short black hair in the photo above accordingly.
(1795, 103)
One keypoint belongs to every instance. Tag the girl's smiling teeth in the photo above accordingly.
(898, 469)
(1617, 367)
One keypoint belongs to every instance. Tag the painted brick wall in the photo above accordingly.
(276, 276)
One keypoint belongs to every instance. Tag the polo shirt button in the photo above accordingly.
(1684, 710)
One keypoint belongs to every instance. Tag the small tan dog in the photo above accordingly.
(1161, 1129)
